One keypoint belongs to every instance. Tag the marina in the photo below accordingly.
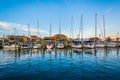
(59, 40)
(60, 57)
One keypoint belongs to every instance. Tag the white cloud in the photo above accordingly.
(19, 27)
(4, 25)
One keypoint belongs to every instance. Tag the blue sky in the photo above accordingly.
(20, 13)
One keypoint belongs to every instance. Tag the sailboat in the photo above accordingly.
(97, 44)
(76, 43)
(108, 43)
(60, 46)
(111, 44)
(59, 43)
(37, 45)
(27, 45)
(88, 45)
(10, 45)
(84, 44)
(50, 44)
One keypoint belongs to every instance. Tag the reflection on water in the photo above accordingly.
(65, 64)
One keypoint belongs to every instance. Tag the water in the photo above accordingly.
(60, 64)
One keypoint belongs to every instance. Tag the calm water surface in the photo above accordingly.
(60, 64)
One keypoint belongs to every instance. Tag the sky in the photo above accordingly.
(19, 14)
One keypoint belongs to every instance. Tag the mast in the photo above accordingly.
(104, 29)
(14, 31)
(79, 31)
(38, 28)
(50, 32)
(15, 36)
(79, 34)
(117, 40)
(72, 27)
(95, 30)
(28, 32)
(59, 27)
(82, 29)
(95, 25)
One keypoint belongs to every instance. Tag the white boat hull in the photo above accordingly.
(88, 46)
(76, 46)
(100, 45)
(10, 47)
(60, 46)
(49, 46)
(37, 46)
(111, 45)
(26, 47)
